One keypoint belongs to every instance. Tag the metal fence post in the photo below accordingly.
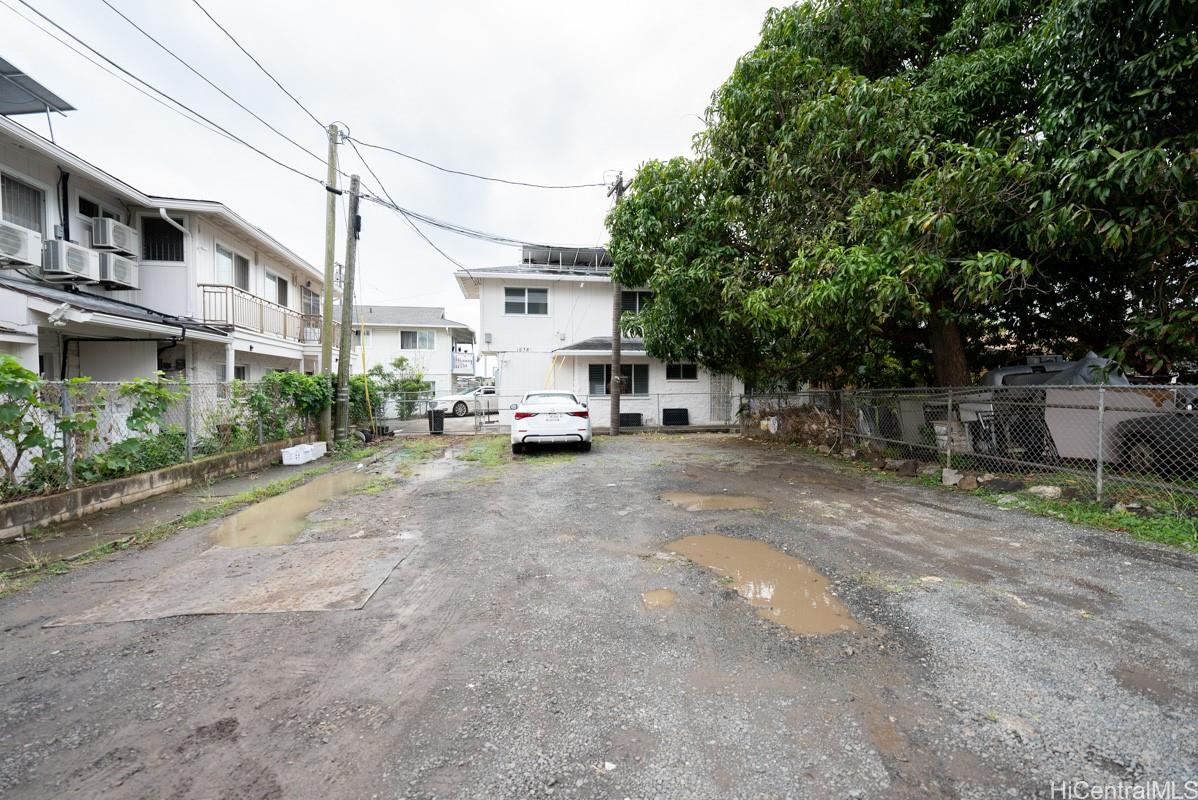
(68, 444)
(188, 427)
(1098, 471)
(948, 432)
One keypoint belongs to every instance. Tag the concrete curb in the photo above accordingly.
(22, 516)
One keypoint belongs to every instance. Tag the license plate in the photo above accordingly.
(553, 417)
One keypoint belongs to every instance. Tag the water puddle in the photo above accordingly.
(783, 588)
(279, 519)
(657, 599)
(693, 501)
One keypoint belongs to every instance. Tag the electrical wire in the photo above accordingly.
(257, 63)
(208, 81)
(155, 89)
(99, 64)
(403, 215)
(472, 174)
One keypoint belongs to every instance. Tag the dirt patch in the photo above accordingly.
(694, 501)
(783, 588)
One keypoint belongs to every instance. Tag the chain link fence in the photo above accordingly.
(1101, 441)
(77, 432)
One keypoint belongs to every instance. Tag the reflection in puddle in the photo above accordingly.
(659, 598)
(33, 552)
(783, 588)
(693, 501)
(278, 520)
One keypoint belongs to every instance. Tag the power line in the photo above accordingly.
(266, 72)
(403, 215)
(206, 80)
(472, 174)
(105, 68)
(179, 103)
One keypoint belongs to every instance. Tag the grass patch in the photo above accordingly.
(489, 452)
(420, 449)
(377, 485)
(17, 579)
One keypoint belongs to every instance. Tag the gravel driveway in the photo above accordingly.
(511, 654)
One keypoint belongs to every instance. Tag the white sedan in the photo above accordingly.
(480, 400)
(550, 418)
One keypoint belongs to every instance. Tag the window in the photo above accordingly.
(525, 301)
(635, 378)
(309, 302)
(417, 340)
(358, 337)
(634, 301)
(91, 209)
(161, 241)
(241, 372)
(682, 372)
(233, 269)
(276, 289)
(22, 204)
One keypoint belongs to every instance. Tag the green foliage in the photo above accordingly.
(286, 403)
(400, 383)
(926, 183)
(21, 405)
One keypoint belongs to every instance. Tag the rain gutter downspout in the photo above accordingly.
(165, 218)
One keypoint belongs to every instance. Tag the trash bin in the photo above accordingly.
(436, 421)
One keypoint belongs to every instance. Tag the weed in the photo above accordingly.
(490, 452)
(377, 485)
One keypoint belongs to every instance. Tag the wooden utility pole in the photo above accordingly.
(330, 244)
(616, 309)
(347, 310)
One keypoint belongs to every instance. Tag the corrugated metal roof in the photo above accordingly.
(98, 303)
(603, 344)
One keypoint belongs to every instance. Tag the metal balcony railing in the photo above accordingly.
(229, 305)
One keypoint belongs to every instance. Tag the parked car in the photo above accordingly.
(482, 400)
(550, 418)
(1162, 443)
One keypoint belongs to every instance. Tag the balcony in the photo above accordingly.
(229, 305)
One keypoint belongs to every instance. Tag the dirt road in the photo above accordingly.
(538, 639)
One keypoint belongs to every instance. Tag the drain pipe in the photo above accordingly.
(162, 213)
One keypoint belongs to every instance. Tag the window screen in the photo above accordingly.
(160, 241)
(22, 204)
(241, 274)
(634, 301)
(635, 378)
(88, 209)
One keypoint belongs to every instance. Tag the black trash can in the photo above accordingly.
(436, 421)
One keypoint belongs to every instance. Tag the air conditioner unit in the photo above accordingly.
(19, 247)
(108, 234)
(64, 261)
(117, 272)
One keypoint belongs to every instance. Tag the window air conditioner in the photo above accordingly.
(19, 247)
(108, 234)
(117, 272)
(64, 261)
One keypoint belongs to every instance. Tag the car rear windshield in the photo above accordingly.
(543, 399)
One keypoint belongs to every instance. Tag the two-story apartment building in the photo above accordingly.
(440, 348)
(100, 279)
(547, 322)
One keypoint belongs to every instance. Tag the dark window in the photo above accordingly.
(681, 372)
(22, 204)
(161, 241)
(634, 301)
(241, 372)
(635, 378)
(88, 209)
(525, 301)
(241, 273)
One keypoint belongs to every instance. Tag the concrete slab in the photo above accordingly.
(323, 576)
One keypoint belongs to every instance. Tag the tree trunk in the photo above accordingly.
(948, 352)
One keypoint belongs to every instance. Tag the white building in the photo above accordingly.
(547, 321)
(102, 280)
(440, 348)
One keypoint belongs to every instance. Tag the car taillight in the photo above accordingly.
(583, 414)
(525, 414)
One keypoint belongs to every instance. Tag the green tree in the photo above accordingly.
(22, 411)
(927, 180)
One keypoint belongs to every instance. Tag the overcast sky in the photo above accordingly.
(547, 92)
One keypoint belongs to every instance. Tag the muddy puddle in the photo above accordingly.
(694, 501)
(783, 588)
(278, 520)
(659, 599)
